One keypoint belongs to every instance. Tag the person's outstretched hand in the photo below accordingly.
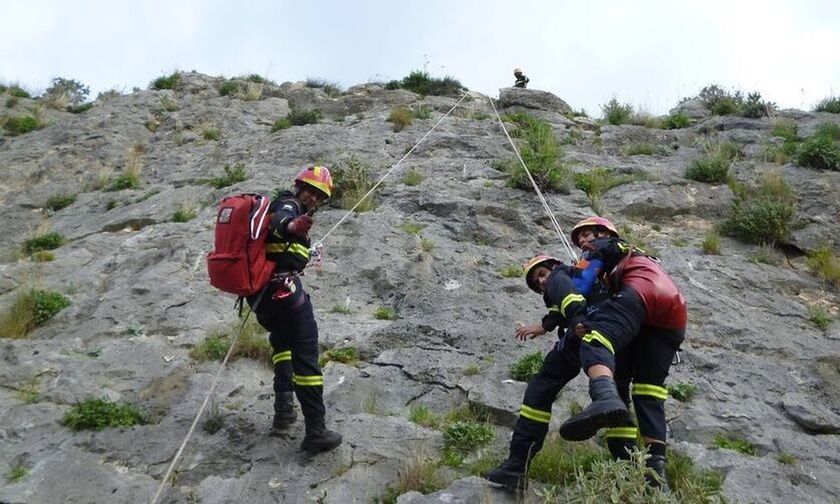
(529, 331)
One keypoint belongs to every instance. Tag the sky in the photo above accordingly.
(647, 53)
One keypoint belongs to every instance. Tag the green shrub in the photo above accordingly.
(825, 265)
(785, 129)
(471, 369)
(683, 391)
(541, 153)
(128, 180)
(251, 344)
(821, 150)
(343, 309)
(75, 91)
(755, 107)
(617, 113)
(256, 78)
(331, 89)
(58, 201)
(281, 124)
(47, 241)
(98, 413)
(412, 227)
(18, 92)
(400, 117)
(300, 117)
(32, 308)
(711, 244)
(19, 125)
(351, 181)
(422, 111)
(183, 214)
(559, 460)
(713, 167)
(465, 436)
(229, 87)
(170, 81)
(233, 175)
(16, 473)
(622, 481)
(819, 317)
(385, 313)
(830, 104)
(676, 121)
(689, 484)
(214, 347)
(78, 109)
(348, 355)
(763, 215)
(211, 133)
(423, 84)
(513, 270)
(526, 367)
(597, 181)
(412, 177)
(735, 444)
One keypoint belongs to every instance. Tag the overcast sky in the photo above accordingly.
(648, 53)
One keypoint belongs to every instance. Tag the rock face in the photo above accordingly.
(140, 297)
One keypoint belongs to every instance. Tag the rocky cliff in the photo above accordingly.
(140, 300)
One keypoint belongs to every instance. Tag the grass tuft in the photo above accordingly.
(763, 214)
(97, 413)
(683, 391)
(713, 167)
(735, 444)
(58, 201)
(513, 270)
(542, 154)
(821, 150)
(711, 244)
(825, 265)
(215, 419)
(352, 179)
(281, 124)
(819, 317)
(616, 113)
(251, 344)
(211, 133)
(412, 177)
(829, 104)
(348, 355)
(526, 367)
(16, 473)
(46, 241)
(32, 308)
(385, 313)
(170, 81)
(301, 117)
(400, 117)
(18, 125)
(233, 175)
(419, 475)
(423, 84)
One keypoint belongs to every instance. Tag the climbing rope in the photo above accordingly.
(566, 245)
(318, 244)
(349, 212)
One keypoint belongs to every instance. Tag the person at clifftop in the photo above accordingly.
(521, 80)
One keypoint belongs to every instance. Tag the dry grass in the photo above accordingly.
(251, 91)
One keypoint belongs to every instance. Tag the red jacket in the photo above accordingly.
(664, 303)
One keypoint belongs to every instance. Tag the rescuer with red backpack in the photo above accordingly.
(261, 251)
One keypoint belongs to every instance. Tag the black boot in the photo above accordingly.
(318, 438)
(607, 410)
(621, 448)
(284, 411)
(513, 472)
(656, 464)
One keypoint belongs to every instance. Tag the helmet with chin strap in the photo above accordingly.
(597, 222)
(315, 176)
(540, 260)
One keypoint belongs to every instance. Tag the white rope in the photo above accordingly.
(200, 411)
(554, 222)
(349, 212)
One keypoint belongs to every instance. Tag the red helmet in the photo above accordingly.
(593, 222)
(540, 260)
(318, 177)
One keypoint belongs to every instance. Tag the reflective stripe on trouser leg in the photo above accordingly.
(621, 441)
(649, 403)
(535, 414)
(282, 364)
(595, 349)
(307, 377)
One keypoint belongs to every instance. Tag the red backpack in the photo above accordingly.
(238, 264)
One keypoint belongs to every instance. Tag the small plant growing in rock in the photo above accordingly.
(97, 413)
(18, 92)
(348, 355)
(713, 167)
(228, 87)
(617, 113)
(400, 117)
(711, 244)
(301, 117)
(281, 124)
(821, 150)
(29, 392)
(412, 227)
(423, 84)
(734, 444)
(764, 214)
(185, 213)
(830, 104)
(422, 111)
(559, 460)
(526, 367)
(211, 133)
(46, 241)
(819, 317)
(42, 256)
(467, 436)
(640, 149)
(426, 244)
(18, 125)
(214, 347)
(472, 369)
(596, 181)
(418, 475)
(786, 458)
(385, 313)
(16, 473)
(75, 92)
(676, 121)
(541, 153)
(342, 309)
(170, 81)
(331, 89)
(58, 201)
(765, 254)
(352, 179)
(512, 270)
(683, 391)
(412, 177)
(215, 419)
(785, 129)
(825, 265)
(690, 484)
(421, 415)
(233, 175)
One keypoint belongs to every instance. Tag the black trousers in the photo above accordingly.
(294, 339)
(618, 338)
